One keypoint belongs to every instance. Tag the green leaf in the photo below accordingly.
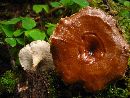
(20, 41)
(55, 4)
(127, 3)
(121, 1)
(28, 23)
(26, 33)
(18, 32)
(35, 34)
(46, 8)
(38, 8)
(66, 2)
(82, 3)
(11, 41)
(51, 28)
(8, 30)
(11, 21)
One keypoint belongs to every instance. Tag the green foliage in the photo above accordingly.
(66, 3)
(14, 36)
(18, 32)
(50, 29)
(127, 3)
(38, 8)
(8, 30)
(11, 21)
(74, 5)
(8, 82)
(28, 23)
(81, 3)
(55, 4)
(20, 41)
(11, 41)
(121, 1)
(36, 34)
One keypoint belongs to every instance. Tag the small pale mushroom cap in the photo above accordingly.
(32, 54)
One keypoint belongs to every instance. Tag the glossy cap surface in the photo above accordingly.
(88, 47)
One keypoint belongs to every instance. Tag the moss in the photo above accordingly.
(8, 82)
(119, 10)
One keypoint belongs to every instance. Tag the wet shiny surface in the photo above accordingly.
(87, 47)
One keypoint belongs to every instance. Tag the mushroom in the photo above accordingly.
(36, 55)
(36, 60)
(88, 47)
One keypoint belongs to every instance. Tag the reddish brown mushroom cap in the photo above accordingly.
(88, 47)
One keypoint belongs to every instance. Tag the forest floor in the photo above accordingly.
(9, 55)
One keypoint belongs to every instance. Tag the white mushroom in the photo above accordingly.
(34, 53)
